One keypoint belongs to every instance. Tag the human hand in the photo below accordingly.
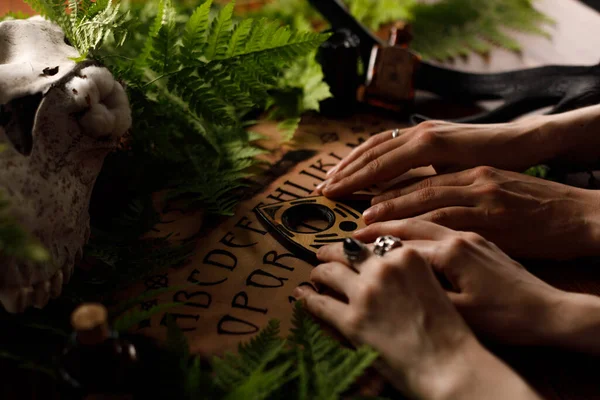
(495, 294)
(525, 216)
(396, 305)
(446, 146)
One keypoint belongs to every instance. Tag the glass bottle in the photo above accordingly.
(97, 363)
(391, 72)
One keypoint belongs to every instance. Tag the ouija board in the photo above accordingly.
(242, 274)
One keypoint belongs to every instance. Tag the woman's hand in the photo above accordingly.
(495, 294)
(525, 216)
(446, 146)
(395, 304)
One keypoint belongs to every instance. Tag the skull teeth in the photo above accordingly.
(18, 300)
(56, 284)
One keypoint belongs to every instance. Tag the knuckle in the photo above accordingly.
(321, 272)
(368, 294)
(385, 208)
(316, 304)
(368, 155)
(428, 125)
(355, 322)
(490, 190)
(408, 257)
(374, 167)
(385, 271)
(426, 194)
(497, 211)
(473, 237)
(438, 217)
(424, 184)
(427, 138)
(458, 244)
(484, 172)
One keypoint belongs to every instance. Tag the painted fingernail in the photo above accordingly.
(369, 215)
(332, 171)
(298, 292)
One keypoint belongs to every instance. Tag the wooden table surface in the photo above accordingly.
(574, 41)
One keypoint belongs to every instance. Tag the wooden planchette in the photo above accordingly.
(304, 226)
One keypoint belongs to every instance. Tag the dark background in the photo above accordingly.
(592, 3)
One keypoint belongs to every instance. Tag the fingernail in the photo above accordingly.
(320, 251)
(321, 185)
(298, 292)
(370, 214)
(330, 188)
(359, 232)
(332, 171)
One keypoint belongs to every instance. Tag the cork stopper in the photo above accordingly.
(90, 321)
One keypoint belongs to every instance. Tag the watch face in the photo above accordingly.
(306, 225)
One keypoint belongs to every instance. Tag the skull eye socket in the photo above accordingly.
(17, 118)
(67, 41)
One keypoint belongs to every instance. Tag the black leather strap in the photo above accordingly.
(563, 87)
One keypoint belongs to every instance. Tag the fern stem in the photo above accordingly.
(160, 77)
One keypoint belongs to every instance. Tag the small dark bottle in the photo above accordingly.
(96, 363)
(391, 72)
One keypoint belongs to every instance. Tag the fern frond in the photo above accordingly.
(239, 38)
(220, 33)
(177, 343)
(194, 35)
(375, 13)
(247, 374)
(131, 318)
(452, 28)
(148, 295)
(288, 128)
(331, 368)
(164, 53)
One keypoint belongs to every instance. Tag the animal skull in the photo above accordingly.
(58, 120)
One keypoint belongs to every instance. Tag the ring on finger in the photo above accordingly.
(383, 244)
(395, 133)
(354, 250)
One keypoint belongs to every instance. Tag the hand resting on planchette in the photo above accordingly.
(525, 216)
(396, 304)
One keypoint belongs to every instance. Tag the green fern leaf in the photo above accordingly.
(451, 28)
(220, 33)
(248, 375)
(240, 36)
(131, 318)
(148, 295)
(194, 36)
(164, 53)
(331, 368)
(161, 18)
(288, 128)
(177, 343)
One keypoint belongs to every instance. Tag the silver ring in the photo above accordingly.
(383, 244)
(354, 250)
(395, 133)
